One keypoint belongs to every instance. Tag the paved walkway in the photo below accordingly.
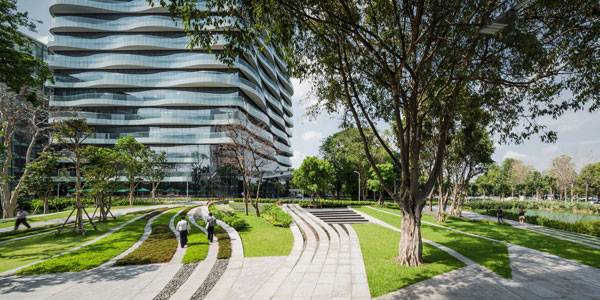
(116, 213)
(587, 240)
(105, 282)
(535, 275)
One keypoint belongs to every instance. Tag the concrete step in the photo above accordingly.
(338, 216)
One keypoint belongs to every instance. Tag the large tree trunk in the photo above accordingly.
(131, 191)
(45, 203)
(257, 198)
(78, 206)
(411, 245)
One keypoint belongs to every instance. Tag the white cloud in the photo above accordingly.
(312, 136)
(297, 159)
(44, 39)
(516, 155)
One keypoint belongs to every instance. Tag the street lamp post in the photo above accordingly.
(358, 184)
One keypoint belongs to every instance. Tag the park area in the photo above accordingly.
(294, 249)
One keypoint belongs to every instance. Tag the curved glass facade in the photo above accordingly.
(126, 68)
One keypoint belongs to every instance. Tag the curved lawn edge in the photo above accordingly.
(489, 254)
(96, 254)
(262, 238)
(379, 247)
(159, 247)
(525, 238)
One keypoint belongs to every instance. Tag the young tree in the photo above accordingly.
(404, 64)
(39, 181)
(101, 170)
(389, 175)
(134, 156)
(314, 176)
(250, 154)
(157, 170)
(71, 135)
(563, 169)
(24, 114)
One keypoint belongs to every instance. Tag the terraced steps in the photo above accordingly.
(337, 215)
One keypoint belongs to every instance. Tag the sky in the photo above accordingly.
(578, 132)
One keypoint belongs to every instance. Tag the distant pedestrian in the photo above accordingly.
(211, 222)
(182, 228)
(21, 218)
(500, 215)
(521, 215)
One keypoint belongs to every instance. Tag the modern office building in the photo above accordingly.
(126, 68)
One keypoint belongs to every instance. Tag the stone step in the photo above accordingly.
(338, 216)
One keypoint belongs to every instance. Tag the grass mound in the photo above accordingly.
(95, 254)
(158, 248)
(264, 239)
(197, 247)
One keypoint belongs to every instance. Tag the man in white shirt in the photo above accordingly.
(183, 227)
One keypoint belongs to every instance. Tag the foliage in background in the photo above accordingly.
(226, 214)
(314, 176)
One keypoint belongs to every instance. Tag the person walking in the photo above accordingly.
(21, 219)
(211, 222)
(521, 216)
(183, 227)
(500, 215)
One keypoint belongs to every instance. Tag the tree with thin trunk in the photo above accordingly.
(157, 170)
(25, 115)
(71, 135)
(100, 171)
(563, 169)
(39, 181)
(251, 154)
(134, 156)
(415, 65)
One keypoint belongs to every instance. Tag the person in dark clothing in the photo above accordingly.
(521, 215)
(182, 228)
(500, 215)
(211, 222)
(21, 219)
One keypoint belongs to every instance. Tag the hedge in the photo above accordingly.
(276, 216)
(333, 203)
(532, 204)
(58, 204)
(586, 227)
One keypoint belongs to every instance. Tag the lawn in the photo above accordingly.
(159, 247)
(263, 239)
(379, 248)
(197, 247)
(14, 254)
(224, 243)
(38, 218)
(492, 255)
(95, 254)
(525, 238)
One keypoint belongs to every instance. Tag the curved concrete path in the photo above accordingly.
(123, 282)
(325, 263)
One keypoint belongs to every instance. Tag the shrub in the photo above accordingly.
(226, 214)
(532, 204)
(591, 228)
(276, 216)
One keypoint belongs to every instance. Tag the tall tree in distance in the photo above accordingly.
(101, 170)
(39, 181)
(589, 180)
(563, 169)
(314, 176)
(157, 170)
(403, 65)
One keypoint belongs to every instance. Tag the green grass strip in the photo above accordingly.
(262, 238)
(95, 254)
(14, 254)
(197, 247)
(379, 247)
(492, 255)
(224, 243)
(526, 238)
(160, 245)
